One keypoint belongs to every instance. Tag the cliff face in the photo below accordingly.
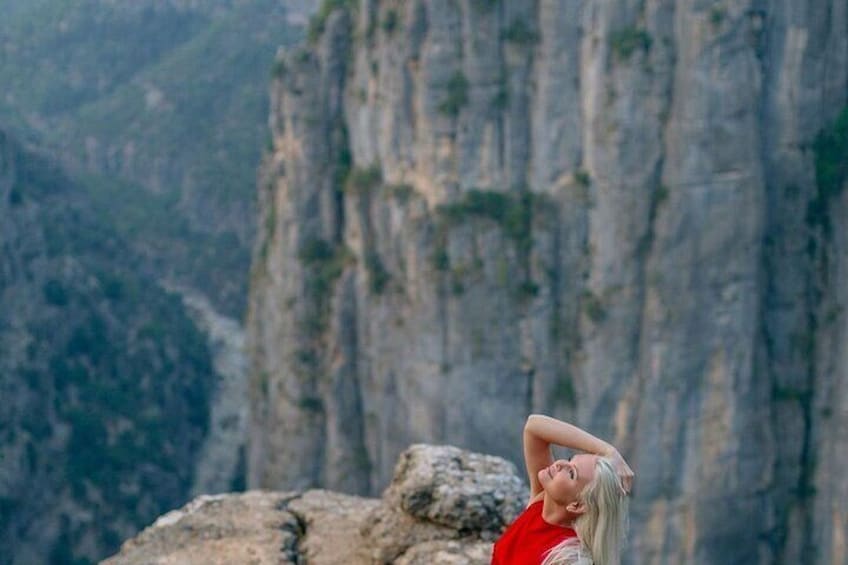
(623, 213)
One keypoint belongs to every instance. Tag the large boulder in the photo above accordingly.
(444, 505)
(443, 493)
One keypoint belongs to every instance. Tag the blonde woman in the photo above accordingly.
(577, 512)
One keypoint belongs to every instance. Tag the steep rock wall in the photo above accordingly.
(608, 211)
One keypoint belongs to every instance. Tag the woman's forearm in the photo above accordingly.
(561, 433)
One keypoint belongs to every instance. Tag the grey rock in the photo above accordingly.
(321, 527)
(464, 491)
(252, 527)
(673, 284)
(447, 553)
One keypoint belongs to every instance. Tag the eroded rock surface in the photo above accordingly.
(445, 505)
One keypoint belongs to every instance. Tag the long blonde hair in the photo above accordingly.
(601, 529)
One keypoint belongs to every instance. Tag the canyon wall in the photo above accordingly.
(626, 214)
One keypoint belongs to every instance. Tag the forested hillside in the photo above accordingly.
(131, 135)
(105, 380)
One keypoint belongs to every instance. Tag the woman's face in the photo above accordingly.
(566, 478)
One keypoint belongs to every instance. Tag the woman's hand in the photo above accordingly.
(625, 473)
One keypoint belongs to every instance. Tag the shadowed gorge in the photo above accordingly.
(131, 135)
(103, 413)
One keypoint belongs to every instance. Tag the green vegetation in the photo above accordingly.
(278, 69)
(95, 367)
(55, 294)
(457, 95)
(500, 100)
(15, 197)
(831, 165)
(270, 224)
(324, 263)
(344, 160)
(8, 505)
(790, 394)
(363, 181)
(660, 195)
(322, 256)
(440, 258)
(104, 366)
(463, 272)
(831, 151)
(582, 177)
(61, 72)
(626, 41)
(311, 404)
(564, 391)
(135, 87)
(484, 5)
(121, 354)
(153, 221)
(520, 33)
(527, 289)
(390, 22)
(593, 307)
(717, 15)
(87, 83)
(512, 212)
(457, 286)
(378, 275)
(319, 21)
(114, 288)
(402, 192)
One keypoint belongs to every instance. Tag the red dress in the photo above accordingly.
(527, 539)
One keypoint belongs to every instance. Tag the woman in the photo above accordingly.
(577, 512)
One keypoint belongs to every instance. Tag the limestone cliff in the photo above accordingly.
(623, 213)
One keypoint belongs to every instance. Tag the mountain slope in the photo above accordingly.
(106, 381)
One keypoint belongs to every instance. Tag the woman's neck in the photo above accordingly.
(556, 514)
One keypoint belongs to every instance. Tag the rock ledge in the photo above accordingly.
(444, 505)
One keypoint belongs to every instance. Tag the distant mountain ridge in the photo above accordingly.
(169, 97)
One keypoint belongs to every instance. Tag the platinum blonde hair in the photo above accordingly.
(601, 529)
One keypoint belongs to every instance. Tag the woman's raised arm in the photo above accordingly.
(540, 432)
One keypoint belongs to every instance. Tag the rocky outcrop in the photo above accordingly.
(610, 211)
(445, 505)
